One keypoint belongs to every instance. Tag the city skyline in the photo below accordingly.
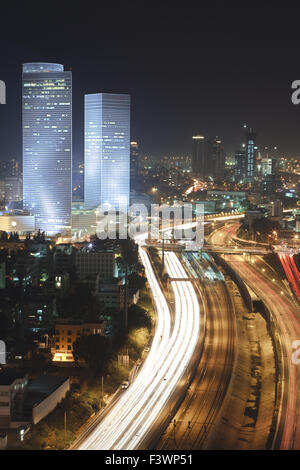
(214, 93)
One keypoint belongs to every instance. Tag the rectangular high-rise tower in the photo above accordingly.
(208, 157)
(107, 150)
(47, 145)
(198, 159)
(251, 155)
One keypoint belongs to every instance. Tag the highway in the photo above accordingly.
(201, 408)
(130, 422)
(287, 318)
(291, 272)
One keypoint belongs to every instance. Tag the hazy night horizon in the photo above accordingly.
(207, 69)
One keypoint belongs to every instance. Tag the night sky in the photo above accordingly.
(200, 67)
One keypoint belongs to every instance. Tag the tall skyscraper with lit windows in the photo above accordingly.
(47, 145)
(251, 155)
(107, 150)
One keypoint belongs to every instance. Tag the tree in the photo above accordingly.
(138, 317)
(3, 236)
(82, 304)
(94, 350)
(129, 253)
(261, 229)
(39, 237)
(5, 325)
(13, 237)
(136, 281)
(138, 339)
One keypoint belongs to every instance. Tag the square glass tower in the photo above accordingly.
(107, 151)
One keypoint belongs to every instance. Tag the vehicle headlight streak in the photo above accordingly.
(135, 412)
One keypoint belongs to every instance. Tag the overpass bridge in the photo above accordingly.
(230, 250)
(235, 250)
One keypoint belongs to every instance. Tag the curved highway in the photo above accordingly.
(134, 415)
(287, 317)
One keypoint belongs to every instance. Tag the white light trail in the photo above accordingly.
(130, 421)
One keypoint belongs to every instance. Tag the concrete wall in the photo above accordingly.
(41, 410)
(237, 279)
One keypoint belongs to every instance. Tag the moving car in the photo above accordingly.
(125, 384)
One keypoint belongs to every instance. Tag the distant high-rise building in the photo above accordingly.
(13, 189)
(208, 157)
(267, 166)
(9, 168)
(107, 150)
(271, 184)
(198, 159)
(275, 209)
(240, 166)
(47, 145)
(246, 169)
(251, 155)
(216, 157)
(134, 164)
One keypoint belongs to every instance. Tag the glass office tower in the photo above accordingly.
(47, 145)
(107, 150)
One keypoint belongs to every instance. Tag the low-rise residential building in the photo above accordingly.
(90, 262)
(25, 402)
(26, 270)
(39, 309)
(111, 293)
(13, 387)
(63, 258)
(67, 331)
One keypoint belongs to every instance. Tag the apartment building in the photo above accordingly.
(67, 331)
(89, 263)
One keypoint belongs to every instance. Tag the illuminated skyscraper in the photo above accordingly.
(107, 150)
(47, 145)
(251, 155)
